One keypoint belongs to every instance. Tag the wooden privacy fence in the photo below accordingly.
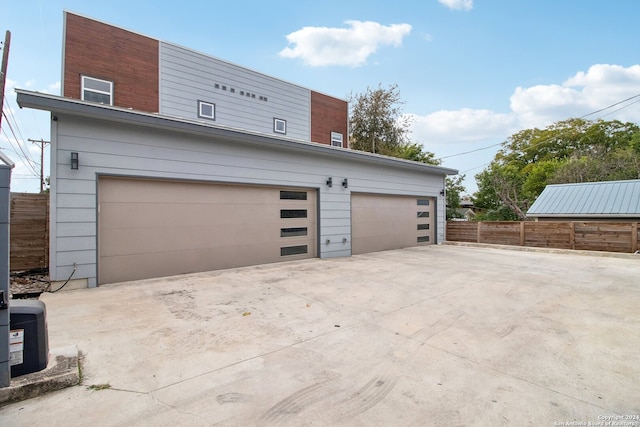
(589, 236)
(29, 231)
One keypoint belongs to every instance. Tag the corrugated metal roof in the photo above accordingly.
(589, 199)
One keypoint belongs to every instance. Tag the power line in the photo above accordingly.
(15, 123)
(613, 105)
(472, 151)
(24, 156)
(42, 143)
(582, 117)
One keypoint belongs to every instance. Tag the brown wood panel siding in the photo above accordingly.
(590, 236)
(328, 115)
(462, 231)
(29, 231)
(99, 50)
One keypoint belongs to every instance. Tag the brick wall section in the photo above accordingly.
(99, 50)
(328, 115)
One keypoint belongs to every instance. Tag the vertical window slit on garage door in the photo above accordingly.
(423, 226)
(293, 231)
(293, 195)
(423, 202)
(293, 250)
(423, 214)
(423, 239)
(293, 213)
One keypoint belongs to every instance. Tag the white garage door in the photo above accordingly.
(155, 228)
(383, 222)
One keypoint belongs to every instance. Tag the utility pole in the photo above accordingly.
(3, 71)
(42, 143)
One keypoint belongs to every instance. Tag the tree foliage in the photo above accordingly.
(574, 150)
(454, 190)
(378, 126)
(376, 122)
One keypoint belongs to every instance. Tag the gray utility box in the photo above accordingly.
(28, 340)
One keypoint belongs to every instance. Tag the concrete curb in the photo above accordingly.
(546, 250)
(62, 371)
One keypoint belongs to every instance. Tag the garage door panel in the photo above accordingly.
(383, 222)
(153, 228)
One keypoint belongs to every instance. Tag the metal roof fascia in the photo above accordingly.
(6, 160)
(59, 104)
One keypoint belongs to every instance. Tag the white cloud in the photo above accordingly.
(53, 88)
(322, 46)
(600, 87)
(458, 4)
(458, 126)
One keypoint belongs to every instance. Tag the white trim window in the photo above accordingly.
(279, 126)
(96, 90)
(336, 139)
(206, 110)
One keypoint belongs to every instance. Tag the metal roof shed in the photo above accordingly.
(608, 200)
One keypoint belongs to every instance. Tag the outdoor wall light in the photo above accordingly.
(345, 183)
(330, 182)
(442, 192)
(74, 160)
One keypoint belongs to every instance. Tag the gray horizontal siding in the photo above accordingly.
(187, 76)
(136, 151)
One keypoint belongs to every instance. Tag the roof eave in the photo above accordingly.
(61, 105)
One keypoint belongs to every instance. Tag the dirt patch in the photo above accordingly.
(28, 284)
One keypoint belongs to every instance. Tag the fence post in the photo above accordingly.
(478, 232)
(522, 240)
(634, 237)
(572, 235)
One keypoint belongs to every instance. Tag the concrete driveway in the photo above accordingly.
(437, 335)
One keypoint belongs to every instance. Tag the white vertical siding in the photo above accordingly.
(187, 76)
(140, 151)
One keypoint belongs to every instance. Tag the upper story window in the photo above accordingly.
(336, 139)
(206, 110)
(279, 126)
(97, 90)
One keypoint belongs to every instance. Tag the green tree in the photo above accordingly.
(454, 190)
(376, 122)
(574, 150)
(378, 126)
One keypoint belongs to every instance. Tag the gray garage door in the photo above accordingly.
(155, 228)
(383, 222)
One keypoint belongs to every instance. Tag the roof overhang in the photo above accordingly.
(584, 216)
(6, 160)
(60, 105)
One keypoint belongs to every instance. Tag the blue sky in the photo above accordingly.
(471, 72)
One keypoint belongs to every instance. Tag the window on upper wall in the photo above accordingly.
(279, 126)
(96, 90)
(206, 110)
(336, 139)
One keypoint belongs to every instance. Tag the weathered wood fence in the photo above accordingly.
(29, 231)
(589, 236)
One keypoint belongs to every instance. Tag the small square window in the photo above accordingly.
(206, 110)
(97, 90)
(279, 126)
(241, 93)
(232, 90)
(217, 86)
(336, 139)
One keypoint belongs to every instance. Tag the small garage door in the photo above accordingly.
(155, 228)
(383, 222)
